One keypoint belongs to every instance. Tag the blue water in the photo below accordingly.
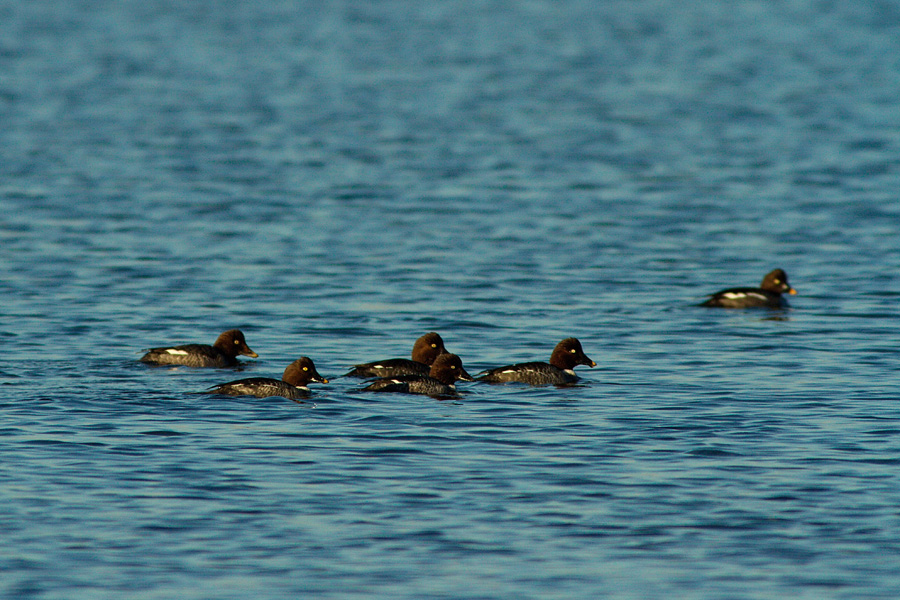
(337, 178)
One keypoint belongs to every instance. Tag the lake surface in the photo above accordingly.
(338, 178)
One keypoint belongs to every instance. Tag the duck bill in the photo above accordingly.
(250, 353)
(587, 361)
(792, 291)
(464, 376)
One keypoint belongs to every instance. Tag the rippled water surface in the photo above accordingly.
(338, 178)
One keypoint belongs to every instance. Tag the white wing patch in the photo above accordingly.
(736, 295)
(176, 351)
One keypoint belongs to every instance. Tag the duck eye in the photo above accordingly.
(572, 350)
(237, 342)
(452, 366)
(306, 368)
(434, 345)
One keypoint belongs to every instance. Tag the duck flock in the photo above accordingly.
(432, 370)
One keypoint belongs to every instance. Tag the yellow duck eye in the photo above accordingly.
(306, 368)
(434, 345)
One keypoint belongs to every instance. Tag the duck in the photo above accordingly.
(441, 380)
(223, 352)
(768, 295)
(292, 384)
(559, 371)
(425, 350)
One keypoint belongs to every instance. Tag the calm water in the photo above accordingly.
(338, 178)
